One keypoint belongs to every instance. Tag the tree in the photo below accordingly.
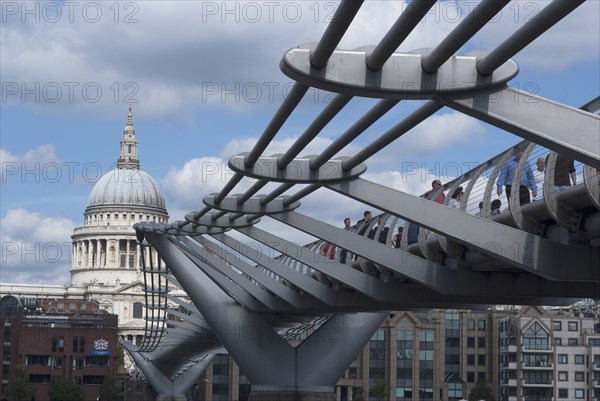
(65, 390)
(357, 394)
(380, 389)
(18, 387)
(109, 390)
(481, 391)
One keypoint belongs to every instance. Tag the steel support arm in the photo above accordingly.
(564, 129)
(509, 245)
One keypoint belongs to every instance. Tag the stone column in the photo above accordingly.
(90, 261)
(97, 258)
(137, 256)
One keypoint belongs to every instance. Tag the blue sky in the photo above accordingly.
(69, 72)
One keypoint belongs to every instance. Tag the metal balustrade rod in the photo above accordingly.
(411, 121)
(408, 20)
(255, 217)
(228, 187)
(235, 216)
(335, 31)
(286, 108)
(251, 191)
(275, 193)
(332, 109)
(374, 114)
(220, 213)
(183, 223)
(544, 20)
(468, 27)
(201, 213)
(301, 194)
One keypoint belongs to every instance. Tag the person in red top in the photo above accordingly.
(441, 197)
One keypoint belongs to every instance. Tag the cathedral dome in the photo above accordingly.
(127, 187)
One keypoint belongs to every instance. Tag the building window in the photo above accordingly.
(470, 377)
(579, 359)
(563, 393)
(572, 326)
(579, 376)
(579, 393)
(480, 376)
(535, 337)
(480, 360)
(563, 376)
(572, 341)
(138, 309)
(481, 324)
(481, 342)
(558, 341)
(557, 325)
(470, 324)
(455, 390)
(563, 359)
(470, 359)
(470, 342)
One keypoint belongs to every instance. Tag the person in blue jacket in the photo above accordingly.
(526, 181)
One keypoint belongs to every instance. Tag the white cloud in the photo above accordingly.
(35, 248)
(438, 132)
(15, 166)
(573, 40)
(172, 56)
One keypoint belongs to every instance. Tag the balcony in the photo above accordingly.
(509, 382)
(538, 348)
(509, 365)
(538, 398)
(596, 366)
(537, 383)
(596, 383)
(538, 365)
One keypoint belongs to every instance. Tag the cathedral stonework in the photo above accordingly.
(106, 259)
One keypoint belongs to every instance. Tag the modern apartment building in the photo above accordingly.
(524, 354)
(549, 356)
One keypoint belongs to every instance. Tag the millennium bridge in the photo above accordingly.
(455, 252)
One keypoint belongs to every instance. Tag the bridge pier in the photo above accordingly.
(166, 388)
(274, 393)
(277, 370)
(169, 397)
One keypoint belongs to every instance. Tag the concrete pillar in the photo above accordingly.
(338, 393)
(350, 395)
(127, 252)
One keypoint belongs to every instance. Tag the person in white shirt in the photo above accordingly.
(539, 174)
(456, 198)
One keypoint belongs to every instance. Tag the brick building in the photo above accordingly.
(57, 339)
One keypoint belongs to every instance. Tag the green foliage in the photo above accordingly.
(380, 389)
(481, 391)
(18, 387)
(120, 356)
(65, 390)
(109, 390)
(358, 394)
